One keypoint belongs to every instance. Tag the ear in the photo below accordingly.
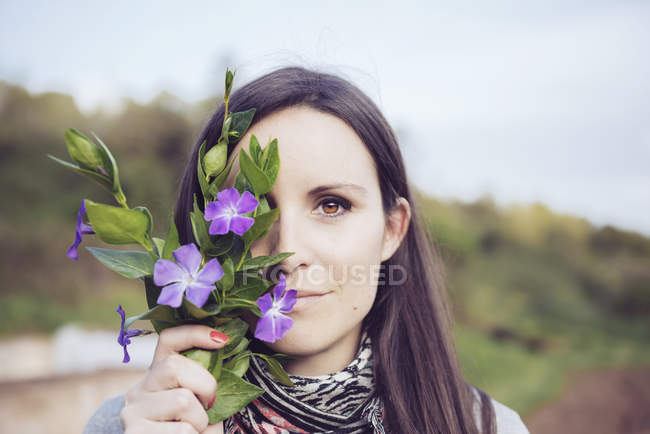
(396, 228)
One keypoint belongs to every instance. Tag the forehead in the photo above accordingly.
(315, 148)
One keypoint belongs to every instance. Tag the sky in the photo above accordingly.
(525, 101)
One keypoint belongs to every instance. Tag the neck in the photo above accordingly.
(330, 360)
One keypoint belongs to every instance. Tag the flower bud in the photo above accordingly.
(83, 151)
(214, 160)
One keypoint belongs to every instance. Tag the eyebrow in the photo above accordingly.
(322, 188)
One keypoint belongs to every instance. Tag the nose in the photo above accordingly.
(288, 234)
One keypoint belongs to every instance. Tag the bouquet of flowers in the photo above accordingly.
(213, 281)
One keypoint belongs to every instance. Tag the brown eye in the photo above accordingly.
(334, 206)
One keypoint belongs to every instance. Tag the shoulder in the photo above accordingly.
(507, 420)
(106, 420)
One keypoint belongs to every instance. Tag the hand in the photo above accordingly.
(174, 394)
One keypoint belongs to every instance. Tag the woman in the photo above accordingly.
(372, 347)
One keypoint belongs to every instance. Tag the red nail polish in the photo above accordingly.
(212, 401)
(218, 337)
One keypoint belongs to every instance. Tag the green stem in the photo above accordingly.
(120, 198)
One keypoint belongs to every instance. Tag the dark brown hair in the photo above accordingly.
(415, 362)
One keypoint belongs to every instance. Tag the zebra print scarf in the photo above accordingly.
(342, 402)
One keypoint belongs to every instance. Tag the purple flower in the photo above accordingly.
(184, 276)
(227, 212)
(82, 229)
(273, 324)
(125, 334)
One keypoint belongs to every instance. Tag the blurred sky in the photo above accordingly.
(527, 101)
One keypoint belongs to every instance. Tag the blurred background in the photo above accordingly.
(525, 129)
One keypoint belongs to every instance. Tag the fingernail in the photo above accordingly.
(218, 337)
(212, 401)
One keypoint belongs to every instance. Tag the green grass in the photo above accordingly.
(523, 380)
(28, 313)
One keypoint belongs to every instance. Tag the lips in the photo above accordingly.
(308, 293)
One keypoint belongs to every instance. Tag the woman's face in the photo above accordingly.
(331, 216)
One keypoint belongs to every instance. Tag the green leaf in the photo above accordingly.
(276, 369)
(233, 393)
(257, 178)
(241, 346)
(159, 245)
(116, 225)
(225, 128)
(241, 121)
(172, 242)
(200, 313)
(160, 312)
(228, 279)
(215, 159)
(235, 329)
(100, 179)
(255, 150)
(238, 365)
(230, 77)
(240, 303)
(129, 263)
(262, 223)
(111, 166)
(206, 358)
(200, 228)
(147, 214)
(271, 161)
(242, 184)
(263, 207)
(265, 261)
(200, 174)
(251, 288)
(83, 151)
(215, 186)
(221, 244)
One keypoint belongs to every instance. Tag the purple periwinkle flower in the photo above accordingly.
(274, 324)
(82, 229)
(185, 276)
(227, 212)
(125, 335)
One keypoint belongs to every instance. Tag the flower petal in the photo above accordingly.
(219, 226)
(240, 225)
(198, 294)
(264, 303)
(272, 327)
(166, 272)
(126, 358)
(228, 197)
(247, 203)
(72, 250)
(80, 229)
(189, 257)
(286, 303)
(122, 314)
(278, 290)
(210, 273)
(213, 210)
(282, 325)
(172, 295)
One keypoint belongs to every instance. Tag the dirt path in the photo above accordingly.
(61, 404)
(604, 401)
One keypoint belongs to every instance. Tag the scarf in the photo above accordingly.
(342, 402)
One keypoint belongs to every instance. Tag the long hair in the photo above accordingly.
(416, 367)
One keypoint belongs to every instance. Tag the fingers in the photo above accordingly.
(175, 339)
(169, 405)
(178, 371)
